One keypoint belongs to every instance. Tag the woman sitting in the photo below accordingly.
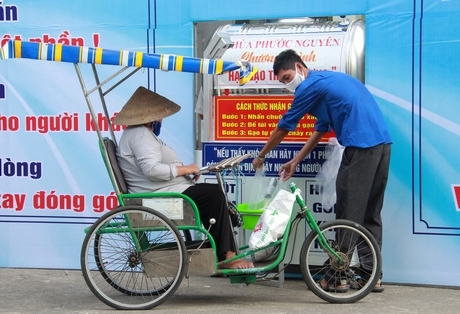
(149, 165)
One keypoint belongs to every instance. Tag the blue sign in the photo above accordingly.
(308, 168)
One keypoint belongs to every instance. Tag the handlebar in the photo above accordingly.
(224, 164)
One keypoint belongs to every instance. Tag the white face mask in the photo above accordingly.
(292, 85)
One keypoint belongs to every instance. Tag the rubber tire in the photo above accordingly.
(91, 238)
(354, 295)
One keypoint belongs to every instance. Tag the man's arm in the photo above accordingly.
(290, 166)
(277, 136)
(310, 144)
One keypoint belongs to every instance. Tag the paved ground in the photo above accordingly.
(60, 291)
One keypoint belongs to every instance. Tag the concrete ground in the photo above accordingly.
(61, 291)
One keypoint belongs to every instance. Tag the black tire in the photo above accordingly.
(135, 268)
(359, 273)
(187, 236)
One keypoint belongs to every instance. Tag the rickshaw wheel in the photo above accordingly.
(133, 258)
(353, 276)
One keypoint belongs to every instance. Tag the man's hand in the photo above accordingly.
(288, 168)
(257, 163)
(275, 138)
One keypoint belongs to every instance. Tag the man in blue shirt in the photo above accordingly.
(343, 104)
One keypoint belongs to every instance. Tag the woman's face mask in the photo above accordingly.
(292, 85)
(156, 127)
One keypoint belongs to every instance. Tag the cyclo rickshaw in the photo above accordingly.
(135, 256)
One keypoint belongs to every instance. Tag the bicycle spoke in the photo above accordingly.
(338, 280)
(123, 276)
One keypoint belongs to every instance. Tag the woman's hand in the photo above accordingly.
(194, 171)
(191, 169)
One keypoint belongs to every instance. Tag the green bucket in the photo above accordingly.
(250, 216)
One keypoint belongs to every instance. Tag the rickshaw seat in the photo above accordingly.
(112, 155)
(133, 199)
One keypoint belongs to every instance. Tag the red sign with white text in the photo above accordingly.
(253, 118)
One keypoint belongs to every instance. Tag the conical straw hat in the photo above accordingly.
(145, 106)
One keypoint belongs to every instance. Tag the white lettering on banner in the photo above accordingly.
(312, 168)
(319, 51)
(285, 154)
(313, 202)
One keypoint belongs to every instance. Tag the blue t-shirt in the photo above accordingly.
(340, 102)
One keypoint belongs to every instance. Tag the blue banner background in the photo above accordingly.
(412, 51)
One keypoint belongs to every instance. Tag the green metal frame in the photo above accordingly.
(236, 275)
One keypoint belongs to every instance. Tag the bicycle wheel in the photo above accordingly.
(133, 258)
(186, 235)
(345, 282)
(107, 274)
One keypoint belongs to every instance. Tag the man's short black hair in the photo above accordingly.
(286, 60)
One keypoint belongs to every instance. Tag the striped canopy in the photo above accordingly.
(76, 54)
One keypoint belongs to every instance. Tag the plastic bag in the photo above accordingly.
(327, 175)
(257, 196)
(272, 223)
